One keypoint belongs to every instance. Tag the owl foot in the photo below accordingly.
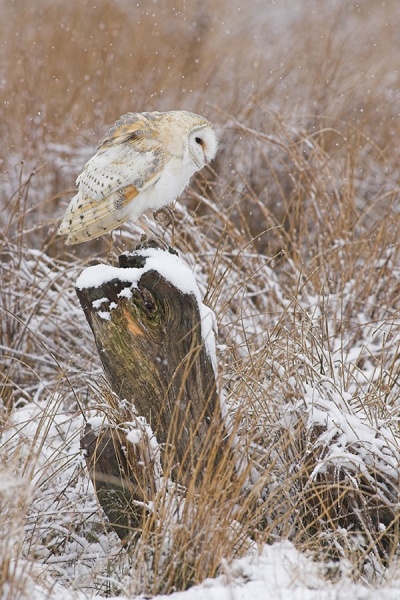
(167, 212)
(153, 242)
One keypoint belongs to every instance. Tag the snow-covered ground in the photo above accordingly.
(57, 544)
(279, 572)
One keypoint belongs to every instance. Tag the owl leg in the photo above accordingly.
(142, 222)
(149, 239)
(168, 214)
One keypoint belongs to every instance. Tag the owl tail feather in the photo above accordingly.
(88, 220)
(93, 231)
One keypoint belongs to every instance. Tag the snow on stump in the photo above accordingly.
(156, 343)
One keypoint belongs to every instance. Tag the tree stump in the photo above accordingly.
(157, 348)
(123, 481)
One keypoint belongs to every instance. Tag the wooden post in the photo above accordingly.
(150, 339)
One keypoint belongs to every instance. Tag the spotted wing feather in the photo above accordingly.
(84, 221)
(132, 126)
(134, 162)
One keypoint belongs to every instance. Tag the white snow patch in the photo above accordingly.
(99, 302)
(97, 422)
(280, 572)
(98, 275)
(126, 292)
(134, 436)
(209, 333)
(105, 315)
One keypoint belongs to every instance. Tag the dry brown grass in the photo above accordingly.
(293, 234)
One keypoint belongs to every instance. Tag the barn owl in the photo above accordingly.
(144, 161)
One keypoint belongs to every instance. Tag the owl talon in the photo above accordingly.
(168, 214)
(151, 242)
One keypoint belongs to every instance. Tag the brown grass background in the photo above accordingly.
(327, 70)
(68, 70)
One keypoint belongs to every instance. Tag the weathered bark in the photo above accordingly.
(122, 477)
(153, 356)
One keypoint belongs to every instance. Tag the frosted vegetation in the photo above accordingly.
(292, 235)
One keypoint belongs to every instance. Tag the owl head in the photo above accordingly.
(202, 144)
(186, 135)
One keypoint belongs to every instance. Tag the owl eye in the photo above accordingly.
(198, 141)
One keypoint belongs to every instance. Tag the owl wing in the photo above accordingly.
(135, 162)
(125, 165)
(132, 126)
